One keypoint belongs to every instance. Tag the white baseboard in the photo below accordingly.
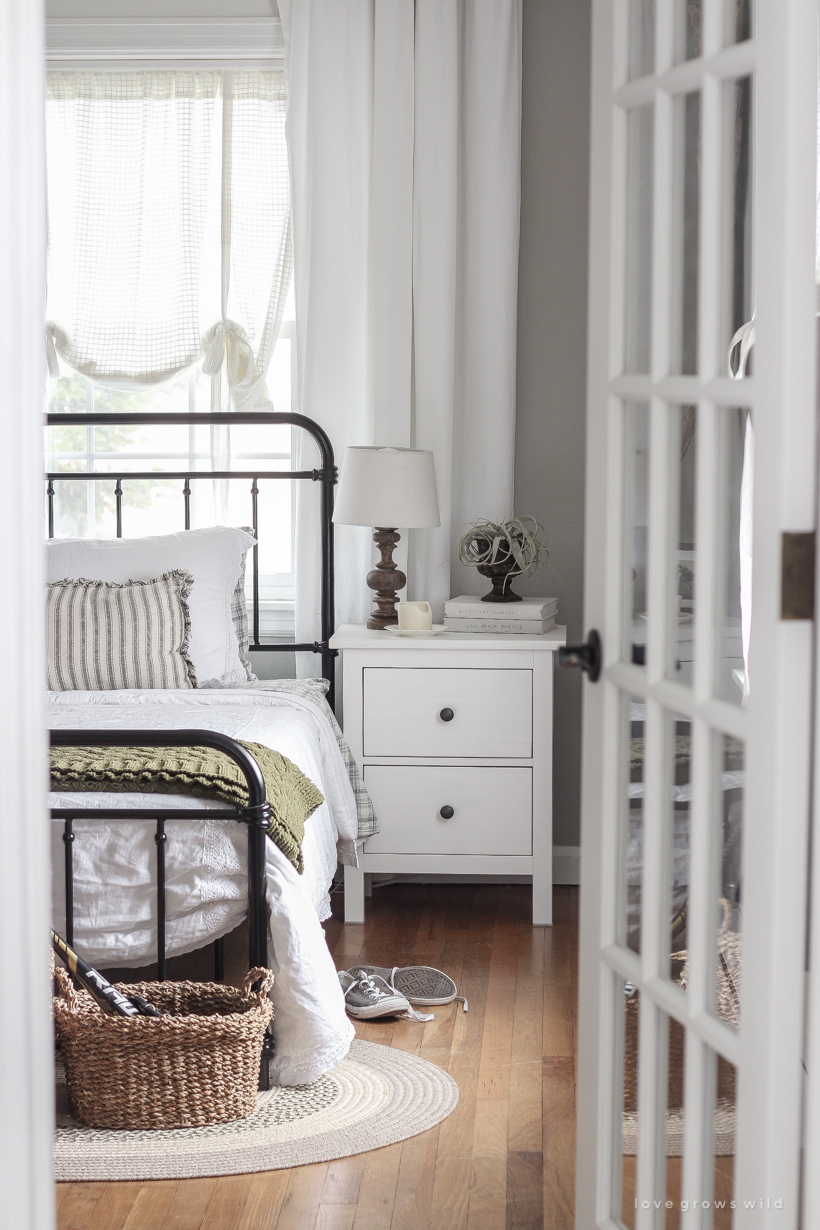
(566, 864)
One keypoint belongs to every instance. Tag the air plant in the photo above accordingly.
(503, 550)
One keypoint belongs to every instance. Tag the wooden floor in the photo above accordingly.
(504, 1160)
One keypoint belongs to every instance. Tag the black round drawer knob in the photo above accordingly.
(447, 812)
(447, 715)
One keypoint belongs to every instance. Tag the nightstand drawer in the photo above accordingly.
(491, 809)
(447, 712)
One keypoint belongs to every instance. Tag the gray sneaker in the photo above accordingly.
(367, 997)
(420, 984)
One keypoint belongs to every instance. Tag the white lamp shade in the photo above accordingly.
(388, 487)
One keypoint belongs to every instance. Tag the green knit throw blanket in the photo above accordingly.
(200, 771)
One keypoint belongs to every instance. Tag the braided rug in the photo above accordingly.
(374, 1097)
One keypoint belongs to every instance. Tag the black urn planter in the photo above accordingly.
(499, 574)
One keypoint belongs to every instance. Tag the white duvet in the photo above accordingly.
(206, 861)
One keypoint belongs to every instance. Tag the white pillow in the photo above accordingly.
(214, 559)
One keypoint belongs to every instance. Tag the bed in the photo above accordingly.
(142, 876)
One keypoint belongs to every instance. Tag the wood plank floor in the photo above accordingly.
(504, 1160)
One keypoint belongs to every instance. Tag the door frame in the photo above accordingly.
(777, 719)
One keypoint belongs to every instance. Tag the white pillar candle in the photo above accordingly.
(415, 616)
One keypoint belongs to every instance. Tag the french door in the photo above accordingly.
(699, 571)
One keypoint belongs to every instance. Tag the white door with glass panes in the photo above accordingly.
(699, 566)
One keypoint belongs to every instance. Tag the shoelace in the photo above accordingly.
(412, 1015)
(367, 986)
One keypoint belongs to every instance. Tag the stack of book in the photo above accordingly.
(470, 614)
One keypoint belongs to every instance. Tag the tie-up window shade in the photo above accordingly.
(169, 225)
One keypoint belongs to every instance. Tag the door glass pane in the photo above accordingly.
(688, 17)
(734, 557)
(638, 298)
(680, 794)
(673, 1133)
(724, 1144)
(641, 38)
(738, 20)
(636, 528)
(684, 352)
(738, 272)
(728, 953)
(632, 823)
(624, 1195)
(683, 444)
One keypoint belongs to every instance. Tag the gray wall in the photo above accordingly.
(552, 305)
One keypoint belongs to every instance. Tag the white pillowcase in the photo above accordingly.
(212, 556)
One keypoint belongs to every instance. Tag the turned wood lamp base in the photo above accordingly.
(385, 579)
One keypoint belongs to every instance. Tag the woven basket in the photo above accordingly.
(729, 952)
(674, 1092)
(195, 1067)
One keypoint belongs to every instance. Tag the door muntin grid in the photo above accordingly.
(635, 560)
(681, 551)
(680, 818)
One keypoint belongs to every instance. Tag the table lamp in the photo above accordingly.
(385, 488)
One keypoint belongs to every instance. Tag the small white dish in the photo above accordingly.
(436, 630)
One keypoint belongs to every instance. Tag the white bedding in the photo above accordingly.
(206, 861)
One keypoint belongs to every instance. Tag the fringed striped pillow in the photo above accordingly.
(103, 636)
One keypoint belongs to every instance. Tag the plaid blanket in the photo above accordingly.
(316, 690)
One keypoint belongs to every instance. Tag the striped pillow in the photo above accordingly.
(103, 636)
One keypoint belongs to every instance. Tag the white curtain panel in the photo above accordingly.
(404, 142)
(169, 225)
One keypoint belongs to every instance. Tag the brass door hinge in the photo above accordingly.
(797, 576)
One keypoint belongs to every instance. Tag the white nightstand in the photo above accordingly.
(454, 737)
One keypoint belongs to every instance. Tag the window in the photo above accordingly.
(168, 222)
(155, 506)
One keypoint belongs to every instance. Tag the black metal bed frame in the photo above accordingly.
(327, 476)
(257, 814)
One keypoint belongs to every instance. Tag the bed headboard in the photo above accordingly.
(327, 477)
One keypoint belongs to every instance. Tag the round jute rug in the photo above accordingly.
(374, 1097)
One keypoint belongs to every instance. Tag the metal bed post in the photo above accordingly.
(328, 578)
(68, 853)
(160, 838)
(219, 960)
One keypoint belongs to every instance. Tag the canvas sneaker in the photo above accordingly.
(419, 984)
(367, 997)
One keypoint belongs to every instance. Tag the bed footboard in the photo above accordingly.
(256, 816)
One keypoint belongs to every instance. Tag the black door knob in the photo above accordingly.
(586, 656)
(447, 715)
(447, 812)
